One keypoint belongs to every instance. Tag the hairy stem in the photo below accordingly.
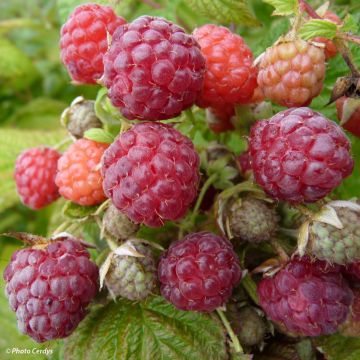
(279, 250)
(345, 52)
(250, 287)
(305, 6)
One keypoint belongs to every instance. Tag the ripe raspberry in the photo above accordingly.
(151, 173)
(84, 42)
(252, 220)
(244, 163)
(351, 327)
(220, 119)
(199, 272)
(330, 48)
(35, 172)
(350, 123)
(132, 277)
(352, 273)
(340, 246)
(118, 225)
(230, 75)
(78, 177)
(292, 73)
(299, 156)
(49, 288)
(153, 70)
(80, 117)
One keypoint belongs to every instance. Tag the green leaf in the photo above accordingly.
(150, 330)
(349, 24)
(99, 135)
(225, 11)
(338, 347)
(104, 110)
(77, 212)
(316, 27)
(284, 7)
(12, 143)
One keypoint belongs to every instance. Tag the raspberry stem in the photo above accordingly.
(279, 250)
(250, 287)
(62, 143)
(235, 343)
(190, 115)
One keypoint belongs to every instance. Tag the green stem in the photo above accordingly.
(279, 250)
(251, 288)
(62, 227)
(234, 340)
(112, 244)
(102, 207)
(190, 116)
(62, 143)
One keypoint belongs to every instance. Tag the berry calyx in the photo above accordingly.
(298, 155)
(153, 69)
(151, 173)
(199, 272)
(83, 41)
(50, 287)
(79, 178)
(35, 172)
(348, 112)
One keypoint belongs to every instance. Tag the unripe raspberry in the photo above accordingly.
(118, 225)
(84, 41)
(299, 156)
(230, 75)
(80, 117)
(350, 122)
(132, 277)
(292, 73)
(153, 69)
(49, 287)
(309, 298)
(79, 178)
(35, 172)
(252, 220)
(199, 272)
(151, 173)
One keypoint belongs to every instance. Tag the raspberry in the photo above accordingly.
(330, 48)
(299, 156)
(309, 298)
(350, 122)
(220, 119)
(153, 70)
(230, 75)
(252, 220)
(132, 277)
(352, 273)
(199, 272)
(49, 288)
(151, 173)
(292, 73)
(244, 163)
(78, 177)
(118, 225)
(35, 172)
(84, 42)
(351, 327)
(80, 117)
(340, 246)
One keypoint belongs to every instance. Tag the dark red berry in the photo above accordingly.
(84, 41)
(199, 272)
(153, 69)
(299, 155)
(50, 287)
(35, 172)
(309, 298)
(151, 173)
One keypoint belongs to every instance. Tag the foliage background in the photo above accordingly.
(35, 89)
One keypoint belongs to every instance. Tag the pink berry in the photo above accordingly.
(309, 298)
(49, 288)
(153, 69)
(199, 272)
(151, 173)
(298, 155)
(35, 172)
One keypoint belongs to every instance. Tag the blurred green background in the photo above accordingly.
(35, 89)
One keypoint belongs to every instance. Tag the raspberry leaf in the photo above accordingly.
(99, 135)
(317, 27)
(77, 212)
(284, 7)
(338, 347)
(153, 329)
(350, 24)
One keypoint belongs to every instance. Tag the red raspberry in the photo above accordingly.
(153, 70)
(84, 42)
(244, 162)
(351, 327)
(330, 48)
(352, 122)
(199, 272)
(151, 173)
(219, 119)
(292, 73)
(308, 298)
(352, 273)
(79, 178)
(49, 288)
(299, 156)
(230, 75)
(35, 172)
